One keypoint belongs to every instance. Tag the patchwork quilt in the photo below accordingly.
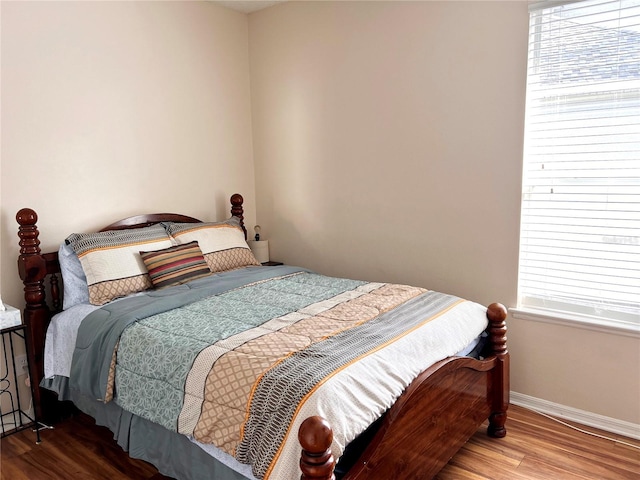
(241, 363)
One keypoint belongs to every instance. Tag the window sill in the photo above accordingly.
(584, 322)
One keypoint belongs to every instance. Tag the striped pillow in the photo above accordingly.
(175, 265)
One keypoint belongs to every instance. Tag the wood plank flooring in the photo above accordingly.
(535, 448)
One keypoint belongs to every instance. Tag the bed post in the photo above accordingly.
(32, 268)
(499, 376)
(238, 211)
(315, 437)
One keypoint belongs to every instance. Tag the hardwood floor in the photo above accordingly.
(537, 448)
(534, 448)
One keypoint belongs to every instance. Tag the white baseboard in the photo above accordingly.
(613, 425)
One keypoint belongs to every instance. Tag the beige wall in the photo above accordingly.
(388, 139)
(111, 109)
(388, 146)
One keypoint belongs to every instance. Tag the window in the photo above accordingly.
(580, 232)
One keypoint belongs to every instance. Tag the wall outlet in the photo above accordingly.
(21, 365)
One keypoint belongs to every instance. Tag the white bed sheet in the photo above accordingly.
(61, 339)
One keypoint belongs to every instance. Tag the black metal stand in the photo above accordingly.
(16, 418)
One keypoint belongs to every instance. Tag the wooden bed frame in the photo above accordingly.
(432, 419)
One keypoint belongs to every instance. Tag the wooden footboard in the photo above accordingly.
(432, 419)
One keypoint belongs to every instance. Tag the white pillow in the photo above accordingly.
(222, 243)
(111, 260)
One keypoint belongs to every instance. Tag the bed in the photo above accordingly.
(365, 381)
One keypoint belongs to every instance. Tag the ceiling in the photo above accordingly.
(247, 6)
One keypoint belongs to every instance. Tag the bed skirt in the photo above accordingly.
(170, 452)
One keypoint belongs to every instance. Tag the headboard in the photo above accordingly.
(40, 274)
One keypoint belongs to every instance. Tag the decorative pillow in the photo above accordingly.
(111, 260)
(222, 243)
(74, 281)
(175, 265)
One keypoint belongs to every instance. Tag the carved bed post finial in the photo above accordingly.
(497, 314)
(28, 232)
(238, 211)
(315, 437)
(31, 265)
(499, 379)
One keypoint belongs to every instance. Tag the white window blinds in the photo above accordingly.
(580, 233)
